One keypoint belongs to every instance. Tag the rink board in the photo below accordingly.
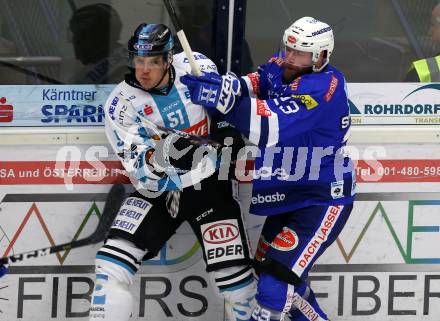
(82, 105)
(384, 266)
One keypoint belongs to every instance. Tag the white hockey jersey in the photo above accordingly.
(134, 122)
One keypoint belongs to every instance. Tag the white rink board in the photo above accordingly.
(394, 103)
(384, 266)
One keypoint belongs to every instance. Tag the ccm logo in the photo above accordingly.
(6, 111)
(221, 233)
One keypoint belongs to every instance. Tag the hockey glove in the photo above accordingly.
(214, 91)
(3, 270)
(226, 134)
(271, 75)
(175, 153)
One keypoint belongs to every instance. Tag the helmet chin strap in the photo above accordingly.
(169, 59)
(164, 90)
(163, 76)
(324, 62)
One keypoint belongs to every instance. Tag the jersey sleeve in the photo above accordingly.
(250, 85)
(156, 158)
(135, 144)
(205, 64)
(131, 143)
(296, 109)
(180, 61)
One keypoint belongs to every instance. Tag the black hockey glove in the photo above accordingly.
(175, 152)
(228, 136)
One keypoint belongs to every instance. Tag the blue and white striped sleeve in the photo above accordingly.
(264, 122)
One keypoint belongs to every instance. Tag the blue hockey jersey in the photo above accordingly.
(300, 131)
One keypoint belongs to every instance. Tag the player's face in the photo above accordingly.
(435, 25)
(298, 58)
(149, 71)
(297, 63)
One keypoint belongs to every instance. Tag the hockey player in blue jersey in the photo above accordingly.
(147, 116)
(295, 110)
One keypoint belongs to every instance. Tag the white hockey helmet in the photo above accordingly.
(310, 35)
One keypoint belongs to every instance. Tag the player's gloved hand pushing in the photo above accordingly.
(214, 91)
(270, 77)
(3, 270)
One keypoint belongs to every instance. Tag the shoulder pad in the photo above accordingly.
(205, 64)
(320, 84)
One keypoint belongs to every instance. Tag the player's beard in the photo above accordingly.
(291, 72)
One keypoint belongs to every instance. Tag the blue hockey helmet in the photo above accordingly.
(151, 40)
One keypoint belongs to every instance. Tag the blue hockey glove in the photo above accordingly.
(3, 270)
(214, 91)
(271, 74)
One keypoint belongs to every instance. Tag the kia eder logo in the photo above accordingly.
(221, 233)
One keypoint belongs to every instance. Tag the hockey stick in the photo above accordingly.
(159, 130)
(200, 140)
(195, 70)
(114, 199)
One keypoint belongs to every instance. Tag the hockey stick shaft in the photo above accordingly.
(195, 70)
(114, 200)
(159, 130)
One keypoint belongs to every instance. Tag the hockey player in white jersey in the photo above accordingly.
(147, 116)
